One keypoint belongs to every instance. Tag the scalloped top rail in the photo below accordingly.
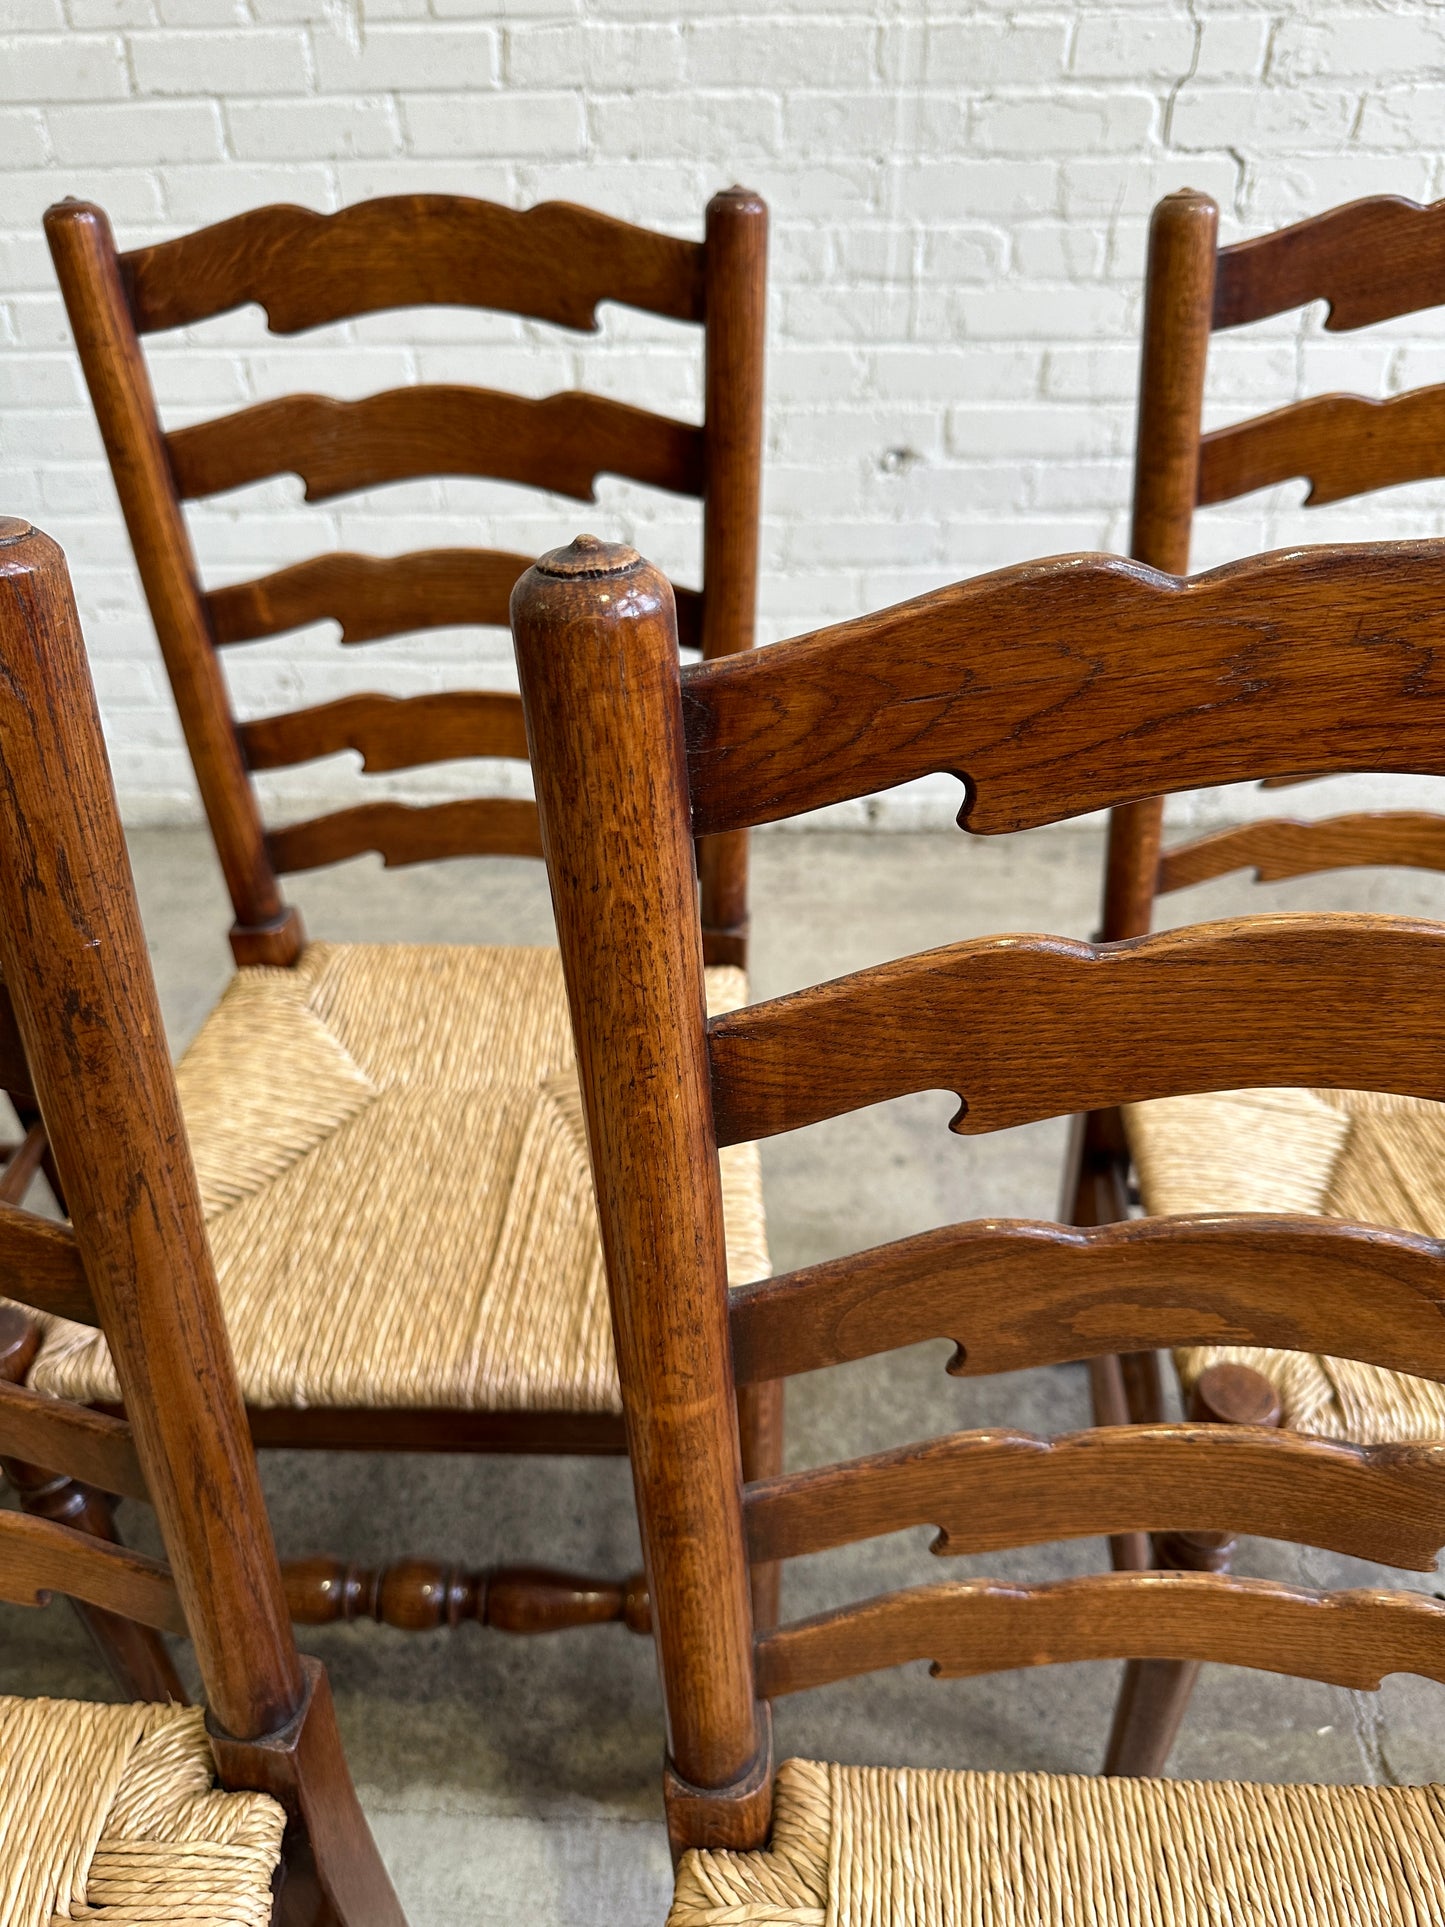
(1370, 260)
(554, 262)
(1059, 687)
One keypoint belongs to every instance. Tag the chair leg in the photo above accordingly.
(760, 1423)
(137, 1657)
(334, 1875)
(1155, 1693)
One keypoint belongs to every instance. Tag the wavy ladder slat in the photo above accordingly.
(986, 1491)
(994, 680)
(38, 1558)
(391, 732)
(402, 833)
(40, 1266)
(1283, 847)
(1351, 1639)
(1023, 1028)
(84, 1445)
(1371, 260)
(563, 443)
(554, 262)
(1015, 1295)
(1344, 444)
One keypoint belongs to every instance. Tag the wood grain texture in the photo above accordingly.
(71, 1439)
(597, 657)
(1283, 847)
(563, 443)
(1351, 1639)
(1022, 1028)
(420, 1595)
(40, 1265)
(38, 1558)
(74, 957)
(1344, 444)
(1059, 687)
(391, 732)
(554, 262)
(1370, 260)
(86, 266)
(402, 833)
(987, 1491)
(371, 596)
(1014, 1295)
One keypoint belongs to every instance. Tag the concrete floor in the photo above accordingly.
(503, 1774)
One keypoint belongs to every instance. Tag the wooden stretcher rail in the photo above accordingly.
(554, 262)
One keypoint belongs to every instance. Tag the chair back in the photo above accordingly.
(1049, 690)
(554, 263)
(1370, 261)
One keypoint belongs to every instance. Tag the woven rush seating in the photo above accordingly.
(1365, 1156)
(873, 1847)
(392, 1159)
(109, 1814)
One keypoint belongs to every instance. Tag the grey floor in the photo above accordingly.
(503, 1774)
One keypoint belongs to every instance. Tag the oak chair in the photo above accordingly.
(1050, 690)
(109, 1807)
(387, 1136)
(1354, 1154)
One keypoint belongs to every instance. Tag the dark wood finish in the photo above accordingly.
(418, 1595)
(1351, 1639)
(1023, 1028)
(391, 732)
(997, 680)
(736, 1816)
(1370, 260)
(1343, 444)
(597, 616)
(336, 447)
(402, 833)
(555, 262)
(40, 1264)
(760, 1436)
(992, 1490)
(69, 1438)
(75, 961)
(14, 1071)
(1019, 1028)
(370, 596)
(22, 1165)
(1015, 1295)
(1281, 847)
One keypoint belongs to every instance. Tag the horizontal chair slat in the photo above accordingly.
(1022, 1028)
(554, 262)
(989, 1490)
(1404, 839)
(1370, 260)
(371, 596)
(1345, 444)
(40, 1266)
(1014, 1295)
(563, 443)
(391, 732)
(38, 1557)
(1351, 1639)
(72, 1439)
(1039, 688)
(402, 833)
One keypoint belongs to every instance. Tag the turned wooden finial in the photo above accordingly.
(589, 555)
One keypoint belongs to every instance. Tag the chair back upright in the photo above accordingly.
(1050, 689)
(1371, 261)
(554, 263)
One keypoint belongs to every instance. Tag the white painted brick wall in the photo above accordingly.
(959, 195)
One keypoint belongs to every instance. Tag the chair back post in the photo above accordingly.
(1178, 311)
(735, 321)
(596, 640)
(75, 963)
(88, 269)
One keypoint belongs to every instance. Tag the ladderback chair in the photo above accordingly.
(1050, 690)
(1354, 1153)
(110, 1808)
(387, 1135)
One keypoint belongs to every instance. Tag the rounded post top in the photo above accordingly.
(589, 555)
(26, 550)
(14, 528)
